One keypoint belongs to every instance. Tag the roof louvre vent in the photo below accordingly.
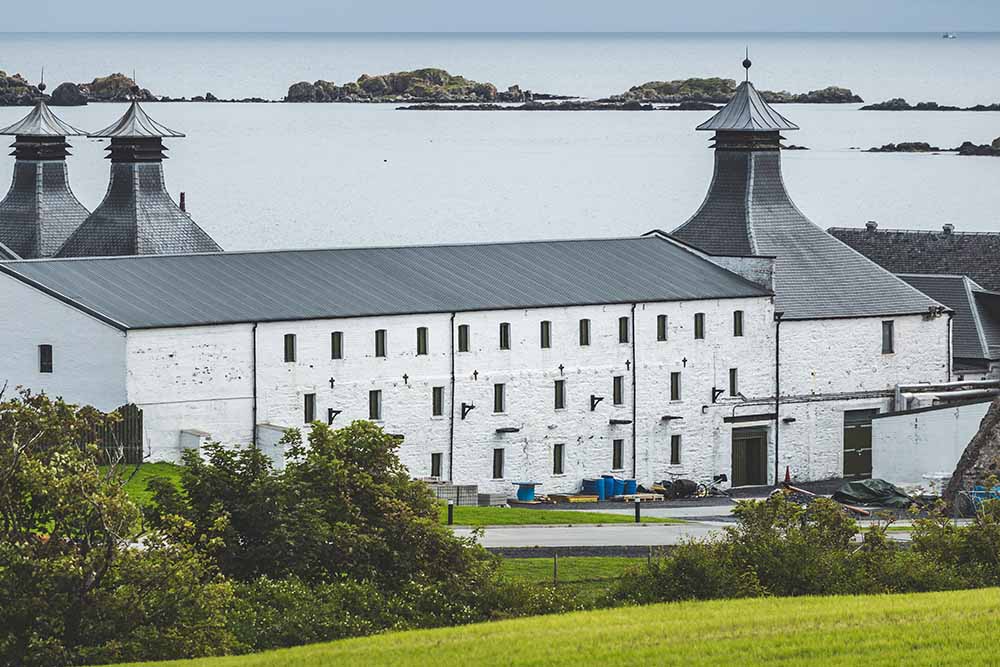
(871, 225)
(947, 228)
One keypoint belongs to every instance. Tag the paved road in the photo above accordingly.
(645, 534)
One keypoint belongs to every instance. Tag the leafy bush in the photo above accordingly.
(74, 587)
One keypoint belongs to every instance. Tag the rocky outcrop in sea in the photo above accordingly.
(900, 104)
(115, 87)
(565, 105)
(422, 85)
(967, 148)
(16, 91)
(717, 90)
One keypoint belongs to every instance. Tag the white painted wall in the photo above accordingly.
(191, 378)
(88, 355)
(907, 446)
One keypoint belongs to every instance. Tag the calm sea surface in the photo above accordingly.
(277, 175)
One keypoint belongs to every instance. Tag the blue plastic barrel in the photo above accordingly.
(630, 486)
(609, 486)
(619, 487)
(593, 487)
(525, 491)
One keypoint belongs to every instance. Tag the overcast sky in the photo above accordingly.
(506, 15)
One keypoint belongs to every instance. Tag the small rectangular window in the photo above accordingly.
(584, 332)
(44, 358)
(309, 413)
(617, 454)
(499, 398)
(888, 344)
(558, 456)
(375, 405)
(734, 382)
(623, 329)
(546, 334)
(675, 386)
(436, 464)
(661, 327)
(618, 390)
(675, 449)
(463, 337)
(337, 345)
(437, 401)
(560, 394)
(505, 335)
(737, 322)
(421, 340)
(699, 325)
(497, 464)
(380, 342)
(289, 347)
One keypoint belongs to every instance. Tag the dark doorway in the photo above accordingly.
(858, 443)
(749, 456)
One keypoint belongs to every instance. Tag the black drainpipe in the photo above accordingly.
(253, 367)
(632, 324)
(950, 314)
(777, 392)
(451, 412)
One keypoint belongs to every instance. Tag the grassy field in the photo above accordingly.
(136, 487)
(517, 516)
(955, 628)
(571, 568)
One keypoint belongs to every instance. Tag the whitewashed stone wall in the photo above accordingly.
(191, 379)
(88, 355)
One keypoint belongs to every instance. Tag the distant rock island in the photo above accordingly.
(429, 84)
(967, 148)
(900, 104)
(16, 91)
(719, 91)
(565, 105)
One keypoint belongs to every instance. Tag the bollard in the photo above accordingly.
(451, 512)
(555, 569)
(637, 503)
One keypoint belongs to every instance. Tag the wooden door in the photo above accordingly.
(749, 457)
(858, 443)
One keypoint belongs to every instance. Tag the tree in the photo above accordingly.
(75, 582)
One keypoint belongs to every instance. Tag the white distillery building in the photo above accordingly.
(746, 341)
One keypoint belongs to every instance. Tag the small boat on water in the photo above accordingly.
(949, 35)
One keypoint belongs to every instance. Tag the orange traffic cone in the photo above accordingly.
(788, 475)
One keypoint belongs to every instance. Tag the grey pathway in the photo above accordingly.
(646, 534)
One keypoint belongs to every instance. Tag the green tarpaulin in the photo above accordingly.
(872, 492)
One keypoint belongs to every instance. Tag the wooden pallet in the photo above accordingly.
(560, 498)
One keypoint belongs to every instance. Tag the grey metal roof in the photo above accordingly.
(181, 290)
(41, 122)
(956, 292)
(988, 311)
(748, 211)
(973, 254)
(7, 253)
(40, 211)
(137, 217)
(135, 124)
(747, 112)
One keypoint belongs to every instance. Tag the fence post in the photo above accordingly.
(638, 502)
(555, 569)
(451, 512)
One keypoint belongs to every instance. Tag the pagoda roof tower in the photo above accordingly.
(137, 216)
(748, 211)
(40, 211)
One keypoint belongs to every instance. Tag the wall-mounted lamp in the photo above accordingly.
(467, 408)
(331, 414)
(594, 400)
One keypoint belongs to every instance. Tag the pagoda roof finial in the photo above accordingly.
(747, 111)
(41, 122)
(135, 124)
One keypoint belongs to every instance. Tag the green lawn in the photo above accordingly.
(518, 516)
(136, 486)
(571, 568)
(955, 628)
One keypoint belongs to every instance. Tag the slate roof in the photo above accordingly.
(747, 211)
(39, 211)
(975, 325)
(747, 112)
(182, 290)
(7, 253)
(973, 254)
(137, 217)
(41, 122)
(135, 123)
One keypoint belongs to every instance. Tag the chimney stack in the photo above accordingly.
(947, 228)
(871, 225)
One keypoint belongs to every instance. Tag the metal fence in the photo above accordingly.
(120, 440)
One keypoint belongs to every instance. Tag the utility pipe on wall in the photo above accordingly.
(777, 392)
